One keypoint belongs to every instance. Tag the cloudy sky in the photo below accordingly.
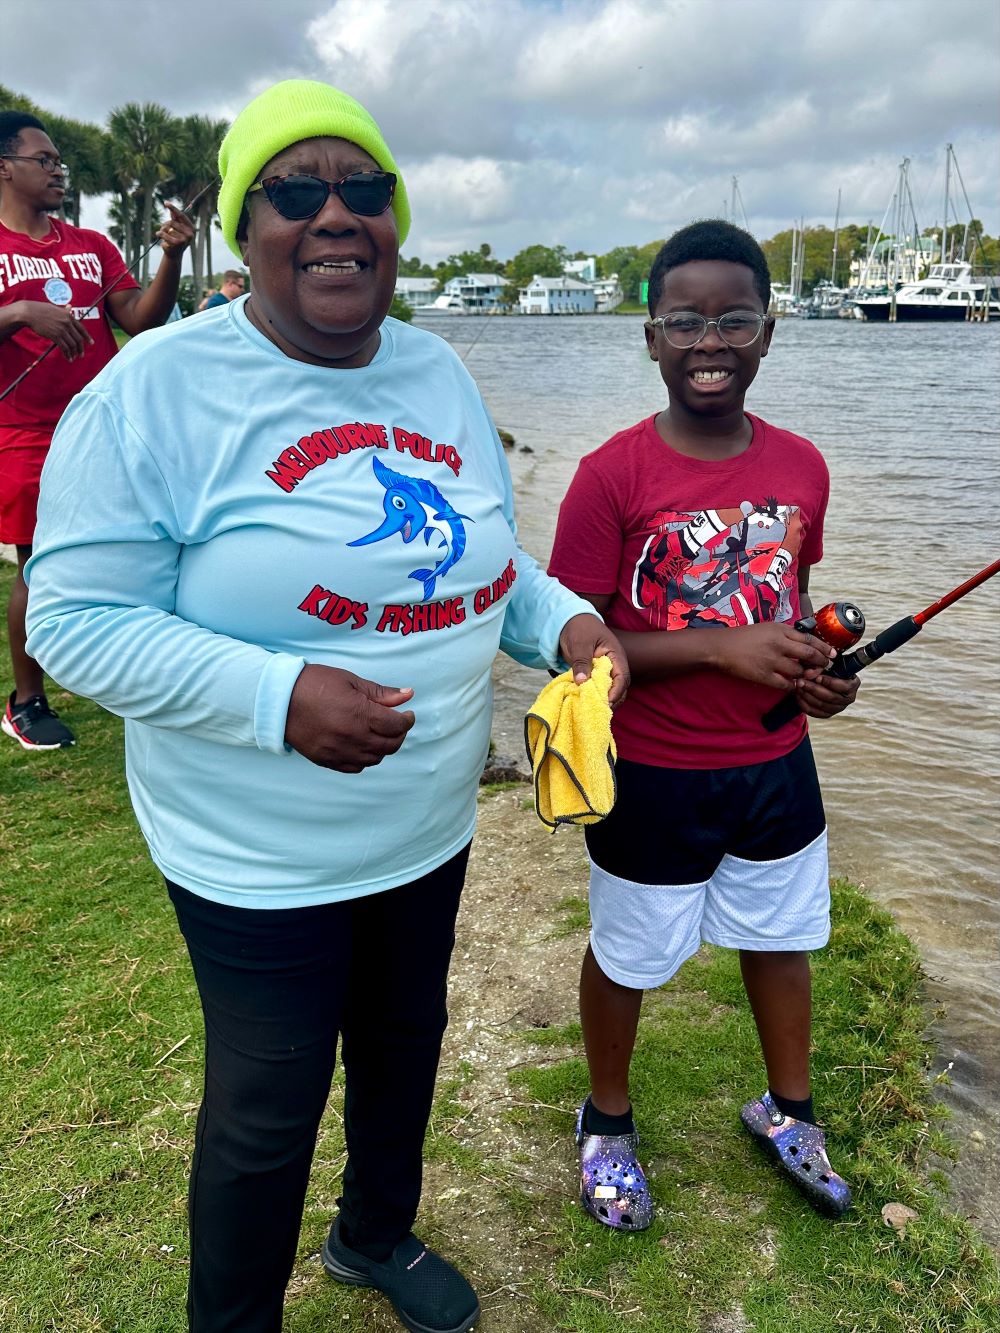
(586, 123)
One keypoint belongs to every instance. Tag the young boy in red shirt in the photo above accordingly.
(51, 274)
(693, 533)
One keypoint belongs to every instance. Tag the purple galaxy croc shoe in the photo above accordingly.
(798, 1149)
(613, 1188)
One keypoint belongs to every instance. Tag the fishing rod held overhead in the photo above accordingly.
(837, 623)
(100, 297)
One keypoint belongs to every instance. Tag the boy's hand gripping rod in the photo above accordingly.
(841, 625)
(98, 299)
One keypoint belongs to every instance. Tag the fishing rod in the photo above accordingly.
(100, 297)
(465, 354)
(841, 625)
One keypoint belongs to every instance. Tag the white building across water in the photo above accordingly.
(417, 292)
(557, 296)
(477, 291)
(578, 291)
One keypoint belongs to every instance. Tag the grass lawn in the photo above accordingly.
(100, 1059)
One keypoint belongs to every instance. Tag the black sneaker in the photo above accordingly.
(428, 1294)
(34, 725)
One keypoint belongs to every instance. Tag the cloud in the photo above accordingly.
(616, 120)
(80, 58)
(478, 189)
(591, 123)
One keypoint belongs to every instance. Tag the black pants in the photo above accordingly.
(276, 988)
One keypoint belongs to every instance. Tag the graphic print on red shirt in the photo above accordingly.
(721, 566)
(69, 266)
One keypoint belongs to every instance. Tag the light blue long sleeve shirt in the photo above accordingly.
(213, 516)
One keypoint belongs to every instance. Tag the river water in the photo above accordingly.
(907, 418)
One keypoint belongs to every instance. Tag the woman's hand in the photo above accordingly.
(585, 637)
(341, 721)
(827, 696)
(771, 654)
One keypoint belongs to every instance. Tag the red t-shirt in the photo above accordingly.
(69, 266)
(681, 542)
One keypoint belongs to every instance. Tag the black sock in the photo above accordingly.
(797, 1110)
(597, 1122)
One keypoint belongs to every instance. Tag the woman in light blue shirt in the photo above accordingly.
(279, 541)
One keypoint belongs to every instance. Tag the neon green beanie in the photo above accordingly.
(285, 114)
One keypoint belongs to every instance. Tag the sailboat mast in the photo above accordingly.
(947, 185)
(897, 230)
(791, 266)
(836, 235)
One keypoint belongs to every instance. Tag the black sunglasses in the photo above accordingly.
(367, 193)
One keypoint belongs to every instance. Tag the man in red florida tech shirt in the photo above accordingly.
(50, 276)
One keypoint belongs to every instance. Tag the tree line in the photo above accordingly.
(145, 155)
(633, 262)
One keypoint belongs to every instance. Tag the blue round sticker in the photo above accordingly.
(58, 291)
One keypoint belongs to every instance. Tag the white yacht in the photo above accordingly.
(949, 292)
(443, 305)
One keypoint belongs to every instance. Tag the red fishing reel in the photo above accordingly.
(840, 625)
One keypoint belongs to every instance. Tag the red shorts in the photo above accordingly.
(22, 453)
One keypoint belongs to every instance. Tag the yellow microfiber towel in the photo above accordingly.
(568, 735)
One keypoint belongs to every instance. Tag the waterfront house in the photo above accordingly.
(417, 292)
(477, 291)
(557, 296)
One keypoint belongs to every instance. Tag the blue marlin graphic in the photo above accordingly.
(413, 505)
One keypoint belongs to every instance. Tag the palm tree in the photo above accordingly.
(142, 143)
(194, 163)
(82, 148)
(125, 223)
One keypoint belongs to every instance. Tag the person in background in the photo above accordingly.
(695, 532)
(233, 283)
(293, 592)
(51, 273)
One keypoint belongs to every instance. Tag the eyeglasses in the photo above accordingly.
(46, 162)
(686, 328)
(367, 193)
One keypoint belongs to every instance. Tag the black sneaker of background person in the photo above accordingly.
(34, 725)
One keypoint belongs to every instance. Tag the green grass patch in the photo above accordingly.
(575, 915)
(100, 1076)
(733, 1242)
(487, 789)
